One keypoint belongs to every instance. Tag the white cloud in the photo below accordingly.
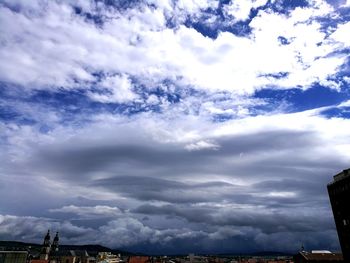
(340, 35)
(89, 211)
(345, 104)
(282, 194)
(202, 145)
(240, 9)
(347, 4)
(119, 89)
(194, 6)
(58, 48)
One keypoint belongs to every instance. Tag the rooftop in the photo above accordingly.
(139, 259)
(322, 256)
(343, 174)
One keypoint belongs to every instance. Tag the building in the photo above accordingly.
(64, 256)
(139, 259)
(108, 257)
(13, 256)
(69, 256)
(339, 195)
(318, 257)
(50, 253)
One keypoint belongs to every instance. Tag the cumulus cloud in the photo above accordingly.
(118, 89)
(58, 48)
(32, 228)
(240, 10)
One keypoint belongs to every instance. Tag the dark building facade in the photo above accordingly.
(339, 195)
(13, 256)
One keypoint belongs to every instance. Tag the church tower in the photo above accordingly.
(45, 251)
(54, 246)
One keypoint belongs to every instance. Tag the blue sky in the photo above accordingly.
(166, 126)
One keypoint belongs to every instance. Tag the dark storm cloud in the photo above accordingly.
(266, 220)
(149, 170)
(276, 161)
(155, 158)
(156, 189)
(201, 191)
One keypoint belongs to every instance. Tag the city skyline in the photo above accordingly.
(173, 126)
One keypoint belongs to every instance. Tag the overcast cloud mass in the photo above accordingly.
(173, 126)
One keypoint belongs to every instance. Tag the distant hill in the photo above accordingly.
(17, 244)
(90, 248)
(271, 254)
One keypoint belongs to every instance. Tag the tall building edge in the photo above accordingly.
(339, 195)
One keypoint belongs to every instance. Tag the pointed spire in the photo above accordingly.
(56, 237)
(55, 243)
(47, 238)
(45, 250)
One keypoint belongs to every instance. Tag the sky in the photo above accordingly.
(173, 126)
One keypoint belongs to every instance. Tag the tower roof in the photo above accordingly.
(56, 237)
(47, 237)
